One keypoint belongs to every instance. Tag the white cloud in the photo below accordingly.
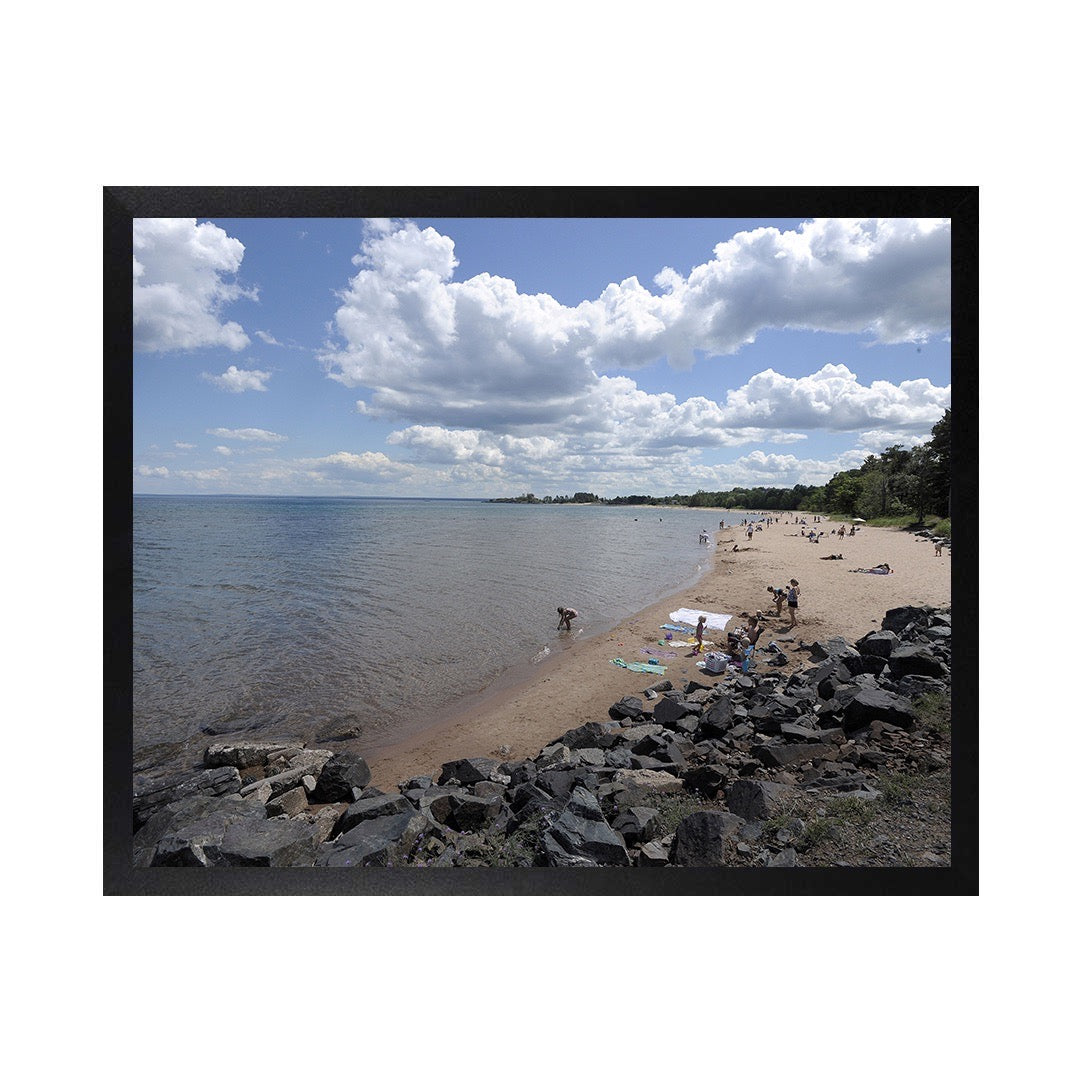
(184, 446)
(479, 354)
(182, 277)
(147, 470)
(225, 451)
(246, 434)
(269, 339)
(236, 381)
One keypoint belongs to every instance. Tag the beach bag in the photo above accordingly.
(715, 663)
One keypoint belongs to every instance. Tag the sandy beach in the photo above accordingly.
(578, 682)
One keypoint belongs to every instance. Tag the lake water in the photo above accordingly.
(280, 616)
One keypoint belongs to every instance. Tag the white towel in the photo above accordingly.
(689, 618)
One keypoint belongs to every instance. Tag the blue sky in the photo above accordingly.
(484, 357)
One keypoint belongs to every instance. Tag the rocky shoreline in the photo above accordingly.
(740, 769)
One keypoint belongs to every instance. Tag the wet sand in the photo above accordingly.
(578, 683)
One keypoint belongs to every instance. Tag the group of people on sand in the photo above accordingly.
(790, 595)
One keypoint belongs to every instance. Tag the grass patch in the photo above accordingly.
(673, 808)
(897, 788)
(845, 810)
(935, 712)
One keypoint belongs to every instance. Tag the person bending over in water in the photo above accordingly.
(565, 615)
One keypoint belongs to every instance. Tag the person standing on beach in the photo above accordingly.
(793, 603)
(778, 599)
(699, 635)
(565, 615)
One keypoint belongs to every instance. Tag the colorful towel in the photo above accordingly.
(678, 629)
(713, 620)
(641, 669)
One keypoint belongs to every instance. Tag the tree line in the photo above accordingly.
(893, 483)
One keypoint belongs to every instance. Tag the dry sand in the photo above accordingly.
(578, 683)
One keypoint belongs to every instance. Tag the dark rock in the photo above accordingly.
(638, 824)
(781, 754)
(246, 755)
(174, 817)
(618, 758)
(655, 853)
(627, 708)
(590, 757)
(916, 660)
(699, 839)
(150, 794)
(368, 809)
(523, 773)
(870, 705)
(376, 842)
(291, 802)
(878, 643)
(591, 736)
(468, 770)
(668, 710)
(758, 799)
(340, 775)
(705, 780)
(898, 619)
(580, 836)
(561, 782)
(719, 718)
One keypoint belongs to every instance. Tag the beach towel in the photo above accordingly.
(678, 629)
(713, 620)
(640, 668)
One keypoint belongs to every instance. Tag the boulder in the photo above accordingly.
(591, 736)
(231, 836)
(245, 755)
(150, 794)
(781, 754)
(899, 619)
(655, 853)
(719, 718)
(638, 824)
(175, 816)
(378, 841)
(756, 800)
(627, 708)
(878, 643)
(699, 839)
(882, 705)
(369, 809)
(279, 783)
(916, 660)
(641, 784)
(291, 802)
(277, 841)
(667, 710)
(553, 756)
(705, 780)
(581, 836)
(340, 775)
(468, 771)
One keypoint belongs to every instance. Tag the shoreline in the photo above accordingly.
(523, 710)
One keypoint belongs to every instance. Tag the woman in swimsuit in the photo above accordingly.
(793, 603)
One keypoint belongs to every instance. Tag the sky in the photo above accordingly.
(492, 357)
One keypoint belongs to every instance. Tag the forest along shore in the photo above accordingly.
(577, 684)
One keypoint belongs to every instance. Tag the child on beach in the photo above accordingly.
(793, 603)
(565, 615)
(699, 635)
(778, 598)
